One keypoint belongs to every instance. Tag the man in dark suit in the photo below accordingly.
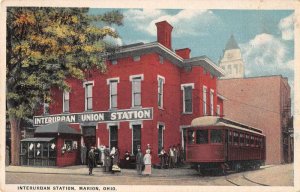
(91, 160)
(139, 161)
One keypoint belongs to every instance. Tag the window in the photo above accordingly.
(211, 102)
(161, 60)
(201, 136)
(216, 136)
(191, 136)
(114, 62)
(113, 136)
(160, 137)
(187, 97)
(247, 140)
(236, 70)
(46, 108)
(136, 137)
(218, 110)
(66, 101)
(136, 58)
(88, 95)
(242, 139)
(204, 100)
(251, 140)
(230, 137)
(136, 90)
(161, 81)
(229, 69)
(235, 138)
(113, 92)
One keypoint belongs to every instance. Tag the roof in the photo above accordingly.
(57, 127)
(231, 44)
(140, 49)
(38, 139)
(220, 121)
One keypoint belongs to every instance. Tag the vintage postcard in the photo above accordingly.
(149, 96)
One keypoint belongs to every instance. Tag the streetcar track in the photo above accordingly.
(244, 178)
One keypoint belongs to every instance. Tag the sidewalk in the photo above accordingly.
(83, 169)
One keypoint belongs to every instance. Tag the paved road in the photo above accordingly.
(183, 176)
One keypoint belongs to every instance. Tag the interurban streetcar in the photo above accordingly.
(218, 143)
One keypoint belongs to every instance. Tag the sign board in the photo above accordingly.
(99, 116)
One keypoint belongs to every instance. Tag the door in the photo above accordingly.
(89, 136)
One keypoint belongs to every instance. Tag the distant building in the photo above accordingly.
(263, 102)
(232, 61)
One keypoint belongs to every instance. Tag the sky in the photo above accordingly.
(266, 37)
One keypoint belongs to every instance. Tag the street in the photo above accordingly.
(181, 176)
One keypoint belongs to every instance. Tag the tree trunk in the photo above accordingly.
(15, 140)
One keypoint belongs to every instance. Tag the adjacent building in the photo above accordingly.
(147, 96)
(263, 102)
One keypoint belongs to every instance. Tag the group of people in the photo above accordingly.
(109, 159)
(171, 158)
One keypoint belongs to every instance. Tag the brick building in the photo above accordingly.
(263, 102)
(147, 96)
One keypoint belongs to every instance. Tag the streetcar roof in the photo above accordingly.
(220, 121)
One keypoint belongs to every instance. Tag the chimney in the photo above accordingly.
(184, 53)
(164, 31)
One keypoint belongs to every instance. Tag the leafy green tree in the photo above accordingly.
(44, 47)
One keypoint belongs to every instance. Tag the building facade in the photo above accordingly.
(147, 96)
(232, 62)
(263, 102)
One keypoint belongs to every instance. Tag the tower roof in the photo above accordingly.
(231, 44)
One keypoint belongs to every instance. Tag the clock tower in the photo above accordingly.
(232, 61)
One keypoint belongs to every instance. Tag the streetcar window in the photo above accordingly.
(191, 137)
(235, 138)
(230, 137)
(216, 136)
(242, 139)
(247, 139)
(201, 136)
(252, 140)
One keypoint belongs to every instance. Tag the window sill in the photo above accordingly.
(113, 109)
(160, 108)
(66, 112)
(89, 110)
(136, 107)
(187, 113)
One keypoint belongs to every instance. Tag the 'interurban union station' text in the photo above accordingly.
(103, 116)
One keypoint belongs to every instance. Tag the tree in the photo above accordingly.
(44, 47)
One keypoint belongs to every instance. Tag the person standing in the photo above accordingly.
(139, 161)
(147, 162)
(107, 159)
(115, 160)
(175, 155)
(91, 160)
(162, 157)
(83, 152)
(171, 158)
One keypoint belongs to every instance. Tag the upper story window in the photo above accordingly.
(161, 81)
(88, 95)
(204, 100)
(136, 58)
(114, 62)
(187, 97)
(211, 102)
(66, 101)
(46, 108)
(229, 69)
(136, 90)
(113, 92)
(218, 110)
(161, 60)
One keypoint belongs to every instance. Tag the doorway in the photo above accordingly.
(89, 136)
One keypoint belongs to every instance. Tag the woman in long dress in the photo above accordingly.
(147, 162)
